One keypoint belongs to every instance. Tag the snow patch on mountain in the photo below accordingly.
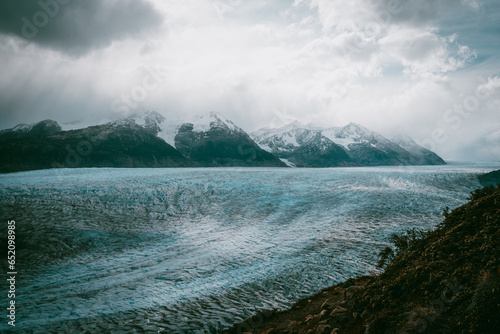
(23, 127)
(288, 163)
(289, 139)
(295, 134)
(169, 131)
(361, 146)
(352, 134)
(332, 134)
(164, 128)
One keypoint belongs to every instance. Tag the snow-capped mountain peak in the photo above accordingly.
(353, 130)
(285, 131)
(292, 126)
(167, 129)
(148, 118)
(156, 123)
(25, 128)
(286, 138)
(350, 145)
(213, 120)
(353, 133)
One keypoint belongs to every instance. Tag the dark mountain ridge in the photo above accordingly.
(46, 127)
(215, 141)
(150, 140)
(116, 144)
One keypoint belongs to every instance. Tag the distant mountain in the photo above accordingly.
(352, 145)
(302, 147)
(213, 140)
(421, 155)
(46, 127)
(138, 140)
(150, 140)
(117, 144)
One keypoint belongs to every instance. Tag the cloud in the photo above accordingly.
(422, 13)
(75, 27)
(423, 51)
(262, 63)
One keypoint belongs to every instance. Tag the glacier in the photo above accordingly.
(179, 250)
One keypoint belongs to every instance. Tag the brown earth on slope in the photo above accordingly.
(446, 282)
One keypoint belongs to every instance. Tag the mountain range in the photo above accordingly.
(352, 145)
(116, 144)
(150, 140)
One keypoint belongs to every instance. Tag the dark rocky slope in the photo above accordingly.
(46, 127)
(118, 144)
(446, 282)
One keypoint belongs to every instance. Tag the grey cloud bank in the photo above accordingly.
(260, 63)
(75, 27)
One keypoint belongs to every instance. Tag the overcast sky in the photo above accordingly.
(428, 69)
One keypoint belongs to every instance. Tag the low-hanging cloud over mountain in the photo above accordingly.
(396, 66)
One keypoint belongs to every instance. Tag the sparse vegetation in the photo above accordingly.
(402, 243)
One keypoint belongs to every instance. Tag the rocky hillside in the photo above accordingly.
(448, 281)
